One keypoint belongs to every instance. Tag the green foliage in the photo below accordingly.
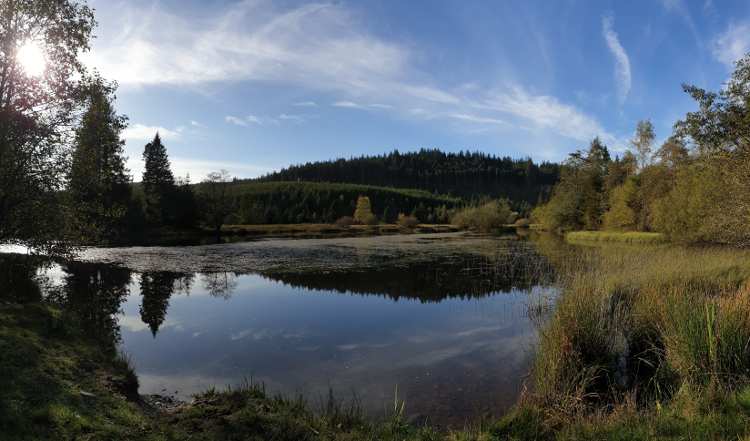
(578, 200)
(688, 213)
(99, 188)
(35, 117)
(621, 216)
(215, 199)
(313, 202)
(467, 175)
(486, 217)
(158, 183)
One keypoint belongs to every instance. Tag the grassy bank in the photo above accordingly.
(647, 342)
(635, 237)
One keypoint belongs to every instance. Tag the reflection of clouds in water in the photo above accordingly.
(356, 346)
(134, 323)
(268, 334)
(480, 330)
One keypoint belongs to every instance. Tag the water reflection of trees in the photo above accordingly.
(221, 284)
(94, 294)
(156, 290)
(453, 276)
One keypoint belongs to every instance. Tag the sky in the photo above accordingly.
(253, 86)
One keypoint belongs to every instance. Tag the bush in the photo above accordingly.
(407, 221)
(363, 214)
(522, 223)
(345, 221)
(490, 216)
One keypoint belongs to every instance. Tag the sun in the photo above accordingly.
(31, 58)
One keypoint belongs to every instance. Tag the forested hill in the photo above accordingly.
(465, 174)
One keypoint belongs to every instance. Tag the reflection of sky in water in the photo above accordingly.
(456, 358)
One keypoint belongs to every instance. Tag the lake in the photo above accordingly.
(445, 322)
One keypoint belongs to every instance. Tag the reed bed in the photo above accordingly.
(640, 324)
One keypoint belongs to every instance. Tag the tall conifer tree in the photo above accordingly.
(158, 183)
(99, 186)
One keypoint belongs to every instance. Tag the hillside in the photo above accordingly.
(316, 202)
(466, 174)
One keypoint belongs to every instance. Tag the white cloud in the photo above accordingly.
(195, 123)
(142, 132)
(322, 48)
(733, 44)
(622, 62)
(353, 105)
(243, 122)
(252, 40)
(236, 120)
(253, 119)
(347, 104)
(293, 118)
(547, 112)
(477, 119)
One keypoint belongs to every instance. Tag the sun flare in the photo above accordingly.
(31, 58)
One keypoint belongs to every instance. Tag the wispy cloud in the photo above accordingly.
(622, 62)
(680, 8)
(236, 120)
(347, 104)
(312, 47)
(477, 119)
(549, 113)
(732, 44)
(143, 132)
(293, 118)
(243, 121)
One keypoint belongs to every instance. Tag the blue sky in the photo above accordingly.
(252, 86)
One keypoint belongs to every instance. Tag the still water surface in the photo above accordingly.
(445, 322)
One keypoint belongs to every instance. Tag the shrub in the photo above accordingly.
(486, 217)
(363, 213)
(345, 221)
(407, 221)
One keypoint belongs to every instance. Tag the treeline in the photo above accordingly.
(693, 188)
(467, 175)
(317, 202)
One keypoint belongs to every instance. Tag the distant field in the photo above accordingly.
(256, 203)
(615, 236)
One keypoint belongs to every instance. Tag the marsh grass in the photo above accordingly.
(635, 237)
(639, 324)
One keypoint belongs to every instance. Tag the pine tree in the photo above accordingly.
(99, 187)
(158, 184)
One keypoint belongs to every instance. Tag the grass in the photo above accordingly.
(635, 237)
(57, 384)
(647, 339)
